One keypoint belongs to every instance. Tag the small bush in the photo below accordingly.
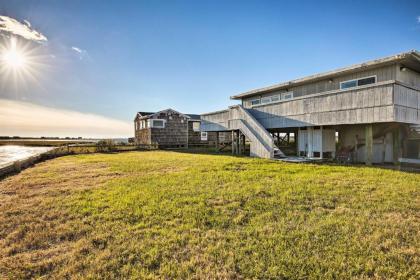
(105, 146)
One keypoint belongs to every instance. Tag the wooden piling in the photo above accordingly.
(369, 144)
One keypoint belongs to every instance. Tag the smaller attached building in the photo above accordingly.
(169, 129)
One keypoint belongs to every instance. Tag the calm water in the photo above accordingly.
(9, 154)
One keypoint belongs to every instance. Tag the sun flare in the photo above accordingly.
(13, 57)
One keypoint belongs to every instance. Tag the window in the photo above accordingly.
(265, 100)
(275, 98)
(196, 126)
(203, 136)
(147, 123)
(158, 123)
(255, 102)
(287, 95)
(348, 84)
(358, 82)
(272, 98)
(366, 81)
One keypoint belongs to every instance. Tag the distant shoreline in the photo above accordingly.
(45, 142)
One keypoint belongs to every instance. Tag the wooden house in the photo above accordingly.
(170, 129)
(369, 112)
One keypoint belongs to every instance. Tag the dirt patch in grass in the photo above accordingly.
(37, 233)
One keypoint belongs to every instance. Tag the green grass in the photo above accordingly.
(178, 215)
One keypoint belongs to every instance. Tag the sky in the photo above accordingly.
(96, 63)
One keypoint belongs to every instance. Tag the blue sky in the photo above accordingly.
(193, 55)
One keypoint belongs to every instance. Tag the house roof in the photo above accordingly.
(410, 59)
(146, 115)
(194, 117)
(143, 114)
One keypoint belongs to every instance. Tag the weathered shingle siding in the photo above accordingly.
(194, 137)
(174, 133)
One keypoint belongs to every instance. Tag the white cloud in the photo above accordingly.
(10, 25)
(80, 52)
(26, 119)
(418, 19)
(76, 49)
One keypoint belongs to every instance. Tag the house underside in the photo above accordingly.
(364, 113)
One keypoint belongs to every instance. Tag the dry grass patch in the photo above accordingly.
(37, 233)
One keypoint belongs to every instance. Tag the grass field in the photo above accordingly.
(149, 215)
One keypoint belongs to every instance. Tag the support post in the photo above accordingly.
(356, 146)
(243, 143)
(322, 143)
(217, 141)
(233, 142)
(396, 146)
(369, 144)
(238, 133)
(310, 141)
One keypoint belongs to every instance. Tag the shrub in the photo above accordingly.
(105, 146)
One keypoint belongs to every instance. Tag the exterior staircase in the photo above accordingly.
(262, 143)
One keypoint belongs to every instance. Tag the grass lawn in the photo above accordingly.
(169, 215)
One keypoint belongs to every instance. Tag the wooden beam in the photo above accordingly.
(243, 144)
(310, 141)
(369, 144)
(233, 142)
(322, 143)
(396, 145)
(217, 141)
(238, 133)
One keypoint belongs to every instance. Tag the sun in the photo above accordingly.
(22, 64)
(13, 58)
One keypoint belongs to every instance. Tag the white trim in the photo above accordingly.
(357, 80)
(204, 136)
(158, 126)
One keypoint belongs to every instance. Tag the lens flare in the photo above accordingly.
(12, 57)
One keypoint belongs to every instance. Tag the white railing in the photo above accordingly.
(254, 129)
(258, 148)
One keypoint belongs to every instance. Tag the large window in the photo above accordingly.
(358, 82)
(158, 123)
(196, 126)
